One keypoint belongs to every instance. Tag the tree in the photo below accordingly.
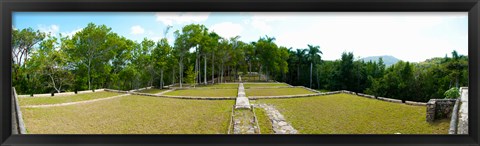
(89, 48)
(212, 42)
(456, 65)
(190, 75)
(23, 42)
(54, 64)
(267, 50)
(161, 55)
(313, 57)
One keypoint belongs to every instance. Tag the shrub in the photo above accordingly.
(452, 93)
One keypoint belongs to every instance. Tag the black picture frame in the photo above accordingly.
(470, 6)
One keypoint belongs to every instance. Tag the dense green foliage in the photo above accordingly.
(452, 93)
(96, 57)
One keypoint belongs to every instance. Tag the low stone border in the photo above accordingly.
(274, 87)
(390, 100)
(309, 89)
(256, 120)
(140, 89)
(202, 88)
(416, 103)
(163, 92)
(385, 99)
(72, 103)
(61, 94)
(454, 119)
(18, 117)
(185, 97)
(118, 91)
(231, 120)
(284, 96)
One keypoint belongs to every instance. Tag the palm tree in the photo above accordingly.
(313, 57)
(300, 54)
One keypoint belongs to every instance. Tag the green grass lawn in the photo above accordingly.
(276, 91)
(152, 91)
(64, 99)
(348, 114)
(247, 85)
(204, 92)
(132, 115)
(221, 86)
(263, 121)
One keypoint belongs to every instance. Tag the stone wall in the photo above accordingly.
(140, 89)
(439, 109)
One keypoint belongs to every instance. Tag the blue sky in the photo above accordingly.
(408, 36)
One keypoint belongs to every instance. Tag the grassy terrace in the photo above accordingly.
(204, 92)
(221, 86)
(247, 85)
(64, 99)
(152, 91)
(276, 91)
(263, 121)
(348, 114)
(132, 115)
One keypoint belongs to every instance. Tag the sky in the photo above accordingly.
(409, 36)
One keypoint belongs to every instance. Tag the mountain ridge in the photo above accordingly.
(387, 59)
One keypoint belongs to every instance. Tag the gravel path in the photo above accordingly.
(163, 92)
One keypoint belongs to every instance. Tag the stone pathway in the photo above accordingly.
(72, 103)
(242, 100)
(463, 112)
(279, 124)
(243, 116)
(243, 122)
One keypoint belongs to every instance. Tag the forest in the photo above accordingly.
(96, 57)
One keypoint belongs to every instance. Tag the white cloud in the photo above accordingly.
(171, 18)
(261, 21)
(71, 33)
(52, 29)
(227, 29)
(137, 29)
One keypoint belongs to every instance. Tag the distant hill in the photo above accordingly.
(387, 59)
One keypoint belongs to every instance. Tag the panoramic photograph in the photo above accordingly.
(239, 73)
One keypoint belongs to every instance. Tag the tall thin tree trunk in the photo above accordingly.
(205, 69)
(298, 72)
(161, 79)
(180, 72)
(318, 79)
(221, 79)
(173, 75)
(213, 69)
(249, 67)
(196, 75)
(311, 67)
(89, 77)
